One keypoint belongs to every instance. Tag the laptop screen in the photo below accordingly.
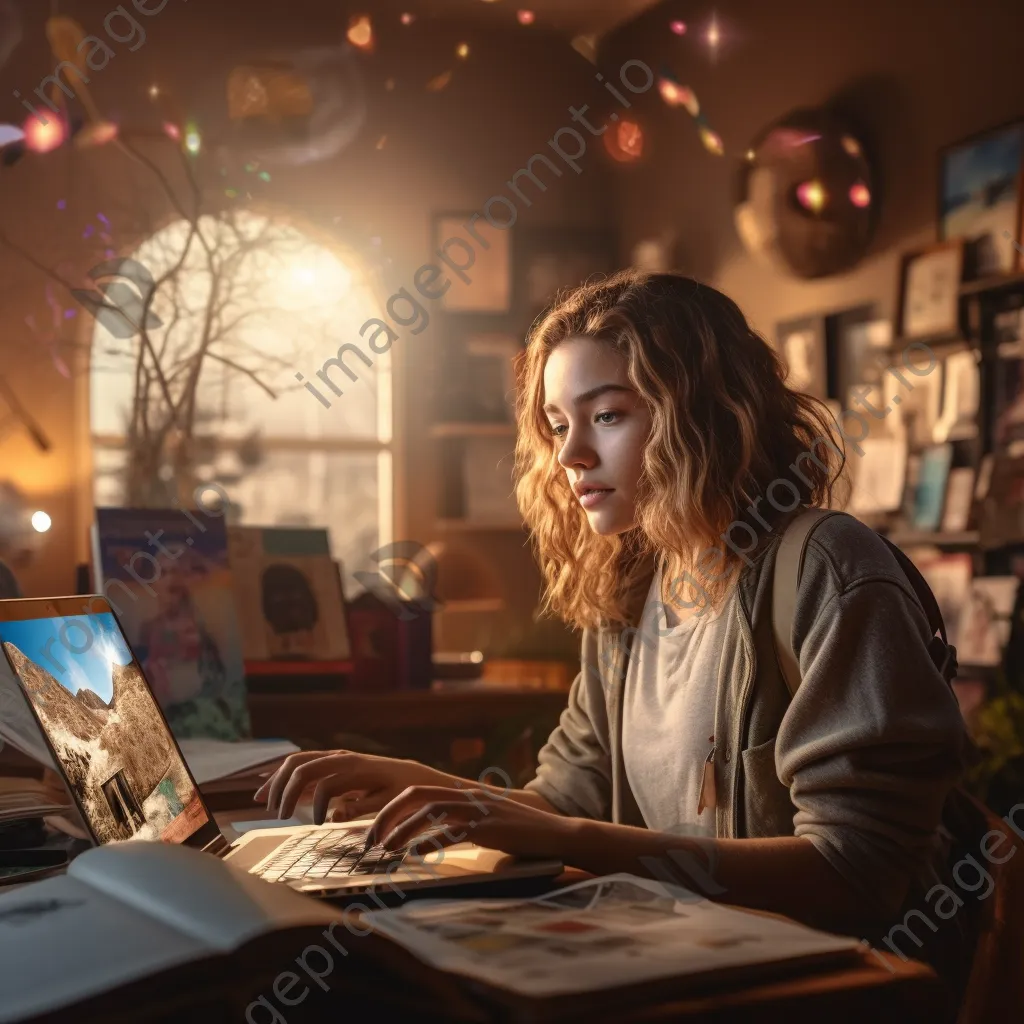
(104, 726)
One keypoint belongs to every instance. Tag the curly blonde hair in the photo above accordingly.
(725, 428)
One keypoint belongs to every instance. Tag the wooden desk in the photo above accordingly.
(463, 731)
(460, 710)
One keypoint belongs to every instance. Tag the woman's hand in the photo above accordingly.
(469, 814)
(333, 773)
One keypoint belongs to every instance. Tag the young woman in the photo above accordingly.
(659, 456)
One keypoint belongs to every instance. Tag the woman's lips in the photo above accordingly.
(591, 498)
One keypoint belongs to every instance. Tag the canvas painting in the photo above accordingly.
(980, 192)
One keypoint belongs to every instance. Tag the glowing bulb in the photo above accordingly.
(679, 27)
(851, 145)
(41, 138)
(811, 195)
(172, 131)
(360, 32)
(408, 19)
(525, 17)
(41, 522)
(462, 50)
(714, 35)
(193, 142)
(860, 195)
(154, 91)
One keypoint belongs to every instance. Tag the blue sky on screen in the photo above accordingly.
(91, 669)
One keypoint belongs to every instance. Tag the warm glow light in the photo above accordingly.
(462, 50)
(679, 27)
(99, 133)
(714, 35)
(525, 17)
(407, 18)
(41, 522)
(172, 131)
(851, 145)
(154, 91)
(360, 32)
(811, 195)
(712, 140)
(193, 142)
(41, 138)
(860, 195)
(626, 142)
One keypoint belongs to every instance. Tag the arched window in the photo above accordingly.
(241, 304)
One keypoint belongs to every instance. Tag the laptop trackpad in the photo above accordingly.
(251, 853)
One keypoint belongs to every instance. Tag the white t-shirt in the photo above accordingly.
(668, 720)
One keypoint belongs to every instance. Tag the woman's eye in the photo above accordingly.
(557, 429)
(600, 417)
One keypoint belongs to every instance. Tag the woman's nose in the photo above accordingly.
(575, 452)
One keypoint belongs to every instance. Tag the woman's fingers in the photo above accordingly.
(270, 791)
(342, 764)
(334, 785)
(415, 809)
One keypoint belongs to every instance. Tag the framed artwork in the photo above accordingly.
(986, 620)
(549, 260)
(858, 348)
(485, 263)
(980, 197)
(961, 397)
(802, 346)
(930, 291)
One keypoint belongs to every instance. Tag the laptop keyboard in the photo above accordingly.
(329, 851)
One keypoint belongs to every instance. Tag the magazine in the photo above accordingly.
(166, 574)
(599, 934)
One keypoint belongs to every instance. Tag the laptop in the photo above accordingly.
(110, 740)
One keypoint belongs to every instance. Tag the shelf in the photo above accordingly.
(443, 430)
(961, 539)
(995, 283)
(488, 604)
(469, 525)
(943, 341)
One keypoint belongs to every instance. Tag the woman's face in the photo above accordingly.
(600, 426)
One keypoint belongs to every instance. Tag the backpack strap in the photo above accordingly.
(789, 563)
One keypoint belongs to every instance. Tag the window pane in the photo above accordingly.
(283, 306)
(340, 491)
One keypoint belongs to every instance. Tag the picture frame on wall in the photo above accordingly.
(981, 197)
(550, 260)
(479, 269)
(929, 290)
(802, 345)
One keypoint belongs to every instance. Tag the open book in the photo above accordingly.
(133, 926)
(146, 924)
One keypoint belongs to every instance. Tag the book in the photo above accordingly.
(137, 927)
(167, 576)
(288, 594)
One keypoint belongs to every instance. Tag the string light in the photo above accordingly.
(525, 17)
(193, 142)
(41, 522)
(41, 138)
(678, 27)
(462, 51)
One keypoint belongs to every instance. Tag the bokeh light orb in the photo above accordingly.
(625, 142)
(807, 196)
(40, 137)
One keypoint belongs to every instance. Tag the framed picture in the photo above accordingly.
(801, 344)
(980, 197)
(949, 577)
(961, 397)
(857, 349)
(930, 291)
(549, 260)
(986, 620)
(479, 269)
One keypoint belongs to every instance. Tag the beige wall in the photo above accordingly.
(445, 151)
(918, 75)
